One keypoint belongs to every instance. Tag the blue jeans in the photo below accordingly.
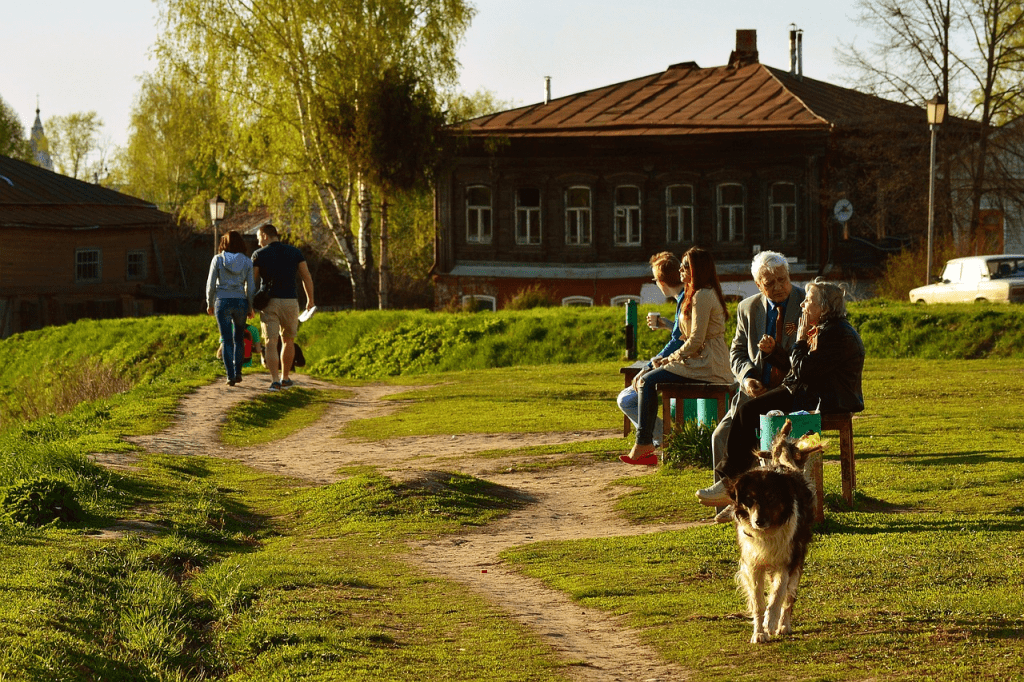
(230, 313)
(629, 403)
(649, 402)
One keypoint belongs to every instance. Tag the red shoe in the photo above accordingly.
(647, 460)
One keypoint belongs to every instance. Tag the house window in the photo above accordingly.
(88, 264)
(623, 299)
(679, 213)
(479, 302)
(577, 216)
(782, 209)
(577, 302)
(136, 265)
(528, 216)
(627, 215)
(478, 214)
(730, 212)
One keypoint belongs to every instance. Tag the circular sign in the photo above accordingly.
(843, 210)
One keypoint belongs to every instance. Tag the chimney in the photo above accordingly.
(796, 51)
(746, 48)
(547, 89)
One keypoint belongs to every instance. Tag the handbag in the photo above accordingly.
(262, 297)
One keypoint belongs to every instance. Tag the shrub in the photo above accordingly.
(534, 296)
(906, 270)
(689, 445)
(41, 500)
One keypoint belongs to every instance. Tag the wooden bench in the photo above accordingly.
(690, 391)
(843, 423)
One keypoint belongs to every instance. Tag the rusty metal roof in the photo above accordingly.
(688, 100)
(34, 197)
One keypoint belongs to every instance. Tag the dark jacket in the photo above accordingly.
(829, 378)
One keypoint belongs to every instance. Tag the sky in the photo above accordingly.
(87, 55)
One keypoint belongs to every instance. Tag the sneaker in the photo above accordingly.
(286, 383)
(714, 496)
(238, 379)
(724, 516)
(230, 382)
(276, 386)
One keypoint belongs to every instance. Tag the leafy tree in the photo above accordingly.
(75, 145)
(13, 142)
(170, 159)
(281, 70)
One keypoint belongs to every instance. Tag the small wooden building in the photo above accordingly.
(576, 193)
(70, 249)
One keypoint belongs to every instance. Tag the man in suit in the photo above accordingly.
(766, 325)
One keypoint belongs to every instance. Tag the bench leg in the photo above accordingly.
(847, 461)
(666, 417)
(819, 491)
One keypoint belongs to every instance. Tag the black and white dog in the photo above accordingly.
(773, 509)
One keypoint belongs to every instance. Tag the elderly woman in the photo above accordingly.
(827, 362)
(702, 357)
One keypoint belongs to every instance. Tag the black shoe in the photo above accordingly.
(230, 382)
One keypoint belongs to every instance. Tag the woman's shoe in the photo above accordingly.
(647, 460)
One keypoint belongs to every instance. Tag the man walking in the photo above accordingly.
(766, 325)
(277, 264)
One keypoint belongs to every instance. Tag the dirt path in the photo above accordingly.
(567, 502)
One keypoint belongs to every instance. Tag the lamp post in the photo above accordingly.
(936, 114)
(217, 206)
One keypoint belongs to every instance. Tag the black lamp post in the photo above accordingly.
(936, 114)
(217, 206)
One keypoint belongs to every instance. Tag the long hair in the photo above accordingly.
(665, 267)
(703, 275)
(232, 242)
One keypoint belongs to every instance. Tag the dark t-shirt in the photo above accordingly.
(279, 263)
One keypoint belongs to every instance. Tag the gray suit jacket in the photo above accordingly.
(751, 319)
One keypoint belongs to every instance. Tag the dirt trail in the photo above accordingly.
(566, 502)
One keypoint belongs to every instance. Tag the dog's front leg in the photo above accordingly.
(786, 626)
(778, 593)
(752, 580)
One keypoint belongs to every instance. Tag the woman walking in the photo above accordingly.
(229, 291)
(703, 356)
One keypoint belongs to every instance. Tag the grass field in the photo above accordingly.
(251, 576)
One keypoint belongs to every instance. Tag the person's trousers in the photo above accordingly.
(649, 402)
(629, 403)
(743, 433)
(230, 313)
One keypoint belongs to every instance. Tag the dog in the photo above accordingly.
(773, 509)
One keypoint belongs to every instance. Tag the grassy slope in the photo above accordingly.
(923, 582)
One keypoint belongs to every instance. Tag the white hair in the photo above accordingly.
(770, 261)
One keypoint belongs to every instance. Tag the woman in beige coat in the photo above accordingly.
(703, 357)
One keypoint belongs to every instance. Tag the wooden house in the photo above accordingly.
(70, 249)
(575, 194)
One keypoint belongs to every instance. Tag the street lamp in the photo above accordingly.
(936, 114)
(217, 206)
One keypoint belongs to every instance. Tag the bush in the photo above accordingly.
(906, 270)
(689, 445)
(41, 500)
(534, 296)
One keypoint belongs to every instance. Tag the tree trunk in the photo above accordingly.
(366, 239)
(385, 269)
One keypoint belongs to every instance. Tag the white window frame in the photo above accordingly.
(622, 300)
(479, 217)
(729, 228)
(528, 223)
(782, 215)
(142, 265)
(628, 219)
(82, 262)
(684, 229)
(490, 300)
(580, 217)
(578, 301)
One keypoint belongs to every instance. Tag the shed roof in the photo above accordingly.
(31, 196)
(688, 100)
